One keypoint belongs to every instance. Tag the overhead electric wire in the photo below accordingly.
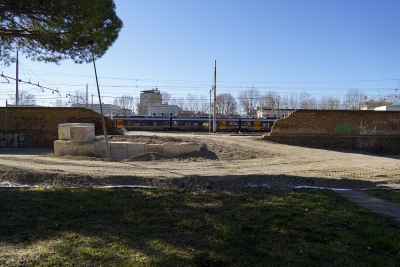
(201, 88)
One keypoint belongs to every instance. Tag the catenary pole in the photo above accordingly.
(209, 113)
(5, 124)
(215, 98)
(16, 83)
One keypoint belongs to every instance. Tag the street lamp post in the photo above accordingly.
(91, 44)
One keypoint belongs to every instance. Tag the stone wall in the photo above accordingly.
(366, 130)
(37, 127)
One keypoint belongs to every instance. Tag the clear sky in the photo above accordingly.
(321, 47)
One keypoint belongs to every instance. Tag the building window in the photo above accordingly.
(171, 114)
(154, 114)
(162, 114)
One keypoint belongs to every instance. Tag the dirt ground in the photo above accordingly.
(225, 162)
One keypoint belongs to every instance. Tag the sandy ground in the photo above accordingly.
(225, 162)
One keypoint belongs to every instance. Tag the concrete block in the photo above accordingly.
(100, 149)
(59, 147)
(71, 148)
(189, 147)
(64, 129)
(153, 148)
(86, 148)
(172, 149)
(135, 149)
(119, 150)
(82, 133)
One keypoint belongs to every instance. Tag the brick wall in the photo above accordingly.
(366, 130)
(38, 127)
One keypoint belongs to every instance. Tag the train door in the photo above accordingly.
(257, 125)
(120, 124)
(222, 125)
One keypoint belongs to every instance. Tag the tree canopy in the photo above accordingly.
(54, 30)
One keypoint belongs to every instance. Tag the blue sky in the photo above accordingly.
(320, 47)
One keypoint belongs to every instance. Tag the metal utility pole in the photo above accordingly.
(86, 106)
(5, 125)
(16, 84)
(278, 108)
(209, 113)
(215, 98)
(93, 43)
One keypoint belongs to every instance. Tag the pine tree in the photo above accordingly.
(54, 30)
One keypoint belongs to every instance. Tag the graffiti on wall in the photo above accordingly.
(287, 127)
(13, 139)
(344, 128)
(29, 124)
(387, 126)
(97, 122)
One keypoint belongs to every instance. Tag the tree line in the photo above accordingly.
(245, 104)
(249, 101)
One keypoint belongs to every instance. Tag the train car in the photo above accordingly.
(194, 124)
(190, 124)
(256, 124)
(266, 124)
(143, 124)
(228, 124)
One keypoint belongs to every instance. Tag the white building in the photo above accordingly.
(108, 109)
(163, 111)
(273, 113)
(388, 108)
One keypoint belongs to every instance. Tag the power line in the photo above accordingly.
(29, 82)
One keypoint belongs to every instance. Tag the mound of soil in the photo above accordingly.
(224, 162)
(149, 157)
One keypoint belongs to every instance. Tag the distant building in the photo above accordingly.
(372, 105)
(108, 109)
(147, 99)
(273, 113)
(22, 106)
(163, 110)
(388, 108)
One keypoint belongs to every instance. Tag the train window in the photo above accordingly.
(154, 123)
(233, 123)
(165, 123)
(195, 124)
(145, 123)
(205, 124)
(177, 123)
(265, 124)
(137, 123)
(188, 123)
(246, 123)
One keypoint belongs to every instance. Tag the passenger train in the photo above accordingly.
(140, 123)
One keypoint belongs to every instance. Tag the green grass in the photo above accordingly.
(392, 196)
(155, 227)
